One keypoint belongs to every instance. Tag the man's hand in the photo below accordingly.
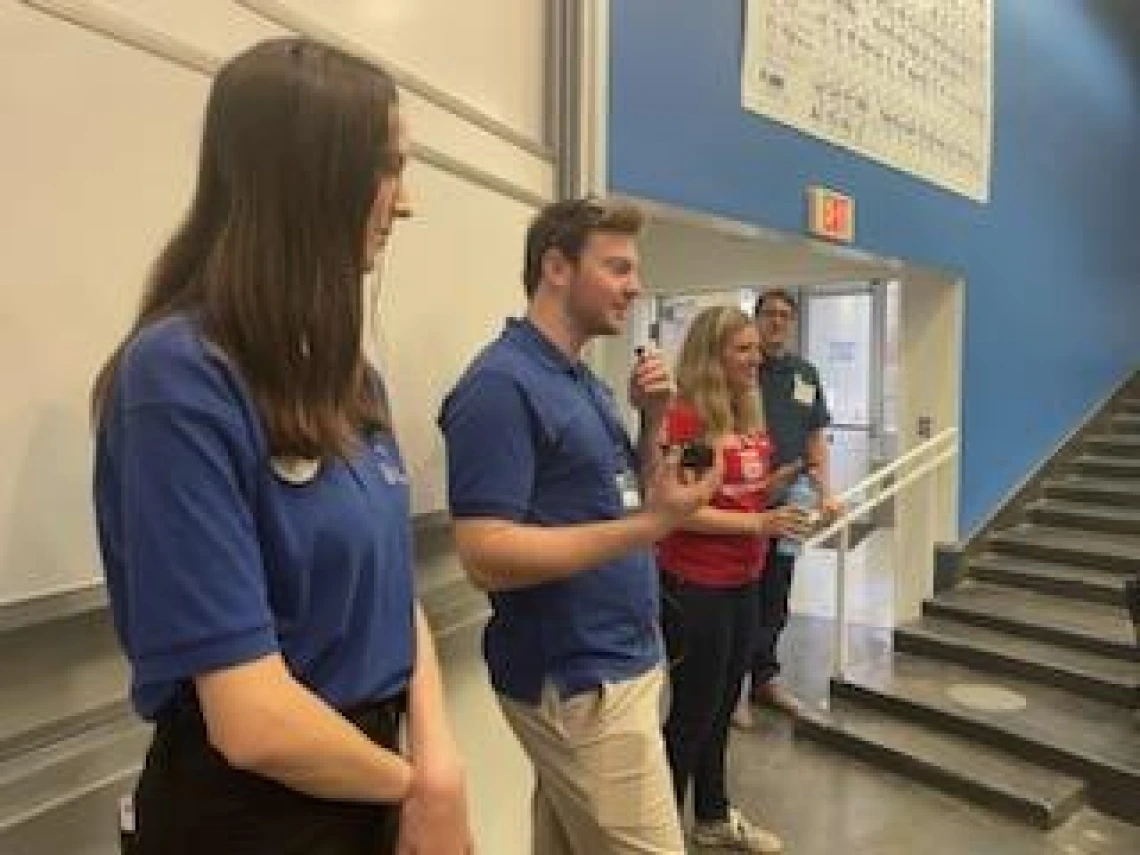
(674, 492)
(651, 386)
(831, 508)
(780, 479)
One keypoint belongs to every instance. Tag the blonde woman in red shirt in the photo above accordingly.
(711, 565)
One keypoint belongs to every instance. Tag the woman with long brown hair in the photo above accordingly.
(710, 566)
(252, 504)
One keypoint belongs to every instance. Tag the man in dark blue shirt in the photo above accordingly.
(546, 491)
(796, 415)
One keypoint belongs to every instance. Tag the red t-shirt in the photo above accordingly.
(723, 560)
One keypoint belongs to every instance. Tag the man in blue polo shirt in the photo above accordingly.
(546, 491)
(796, 415)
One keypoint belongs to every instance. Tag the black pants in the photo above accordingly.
(774, 590)
(190, 801)
(709, 633)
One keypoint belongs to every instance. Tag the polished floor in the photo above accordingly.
(821, 802)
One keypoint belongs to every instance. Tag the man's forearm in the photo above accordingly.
(818, 461)
(650, 436)
(502, 555)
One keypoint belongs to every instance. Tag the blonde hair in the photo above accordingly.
(701, 381)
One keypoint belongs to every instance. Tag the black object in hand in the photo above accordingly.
(696, 455)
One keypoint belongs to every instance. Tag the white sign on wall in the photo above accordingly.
(908, 83)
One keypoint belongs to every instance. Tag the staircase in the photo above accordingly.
(1019, 687)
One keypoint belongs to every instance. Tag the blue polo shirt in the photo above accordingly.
(794, 406)
(216, 555)
(535, 438)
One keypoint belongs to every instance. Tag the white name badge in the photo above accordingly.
(392, 473)
(803, 392)
(629, 491)
(127, 814)
(296, 471)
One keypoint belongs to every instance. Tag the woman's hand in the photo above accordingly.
(433, 819)
(786, 521)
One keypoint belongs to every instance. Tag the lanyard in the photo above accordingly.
(623, 446)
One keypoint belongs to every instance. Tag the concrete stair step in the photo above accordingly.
(1126, 422)
(1107, 465)
(1068, 580)
(1125, 445)
(1128, 405)
(1085, 516)
(955, 764)
(1103, 490)
(1118, 553)
(1105, 677)
(1077, 624)
(1063, 730)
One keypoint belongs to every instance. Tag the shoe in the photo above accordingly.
(775, 695)
(738, 834)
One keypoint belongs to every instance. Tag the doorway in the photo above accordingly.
(849, 331)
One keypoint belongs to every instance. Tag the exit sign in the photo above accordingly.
(831, 215)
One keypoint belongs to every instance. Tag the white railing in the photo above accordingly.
(925, 460)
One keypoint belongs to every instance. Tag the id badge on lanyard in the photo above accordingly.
(625, 479)
(629, 490)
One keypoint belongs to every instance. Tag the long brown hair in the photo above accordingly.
(700, 375)
(270, 258)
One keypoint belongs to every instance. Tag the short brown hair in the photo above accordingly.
(781, 294)
(567, 225)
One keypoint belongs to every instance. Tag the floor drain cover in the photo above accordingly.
(987, 698)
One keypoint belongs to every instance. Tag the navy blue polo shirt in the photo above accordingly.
(216, 555)
(794, 406)
(535, 438)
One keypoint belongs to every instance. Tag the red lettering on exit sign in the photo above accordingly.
(831, 215)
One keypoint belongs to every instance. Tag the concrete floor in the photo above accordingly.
(823, 803)
(820, 802)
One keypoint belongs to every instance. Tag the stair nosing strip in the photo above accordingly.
(1078, 787)
(1015, 659)
(1106, 579)
(964, 716)
(1074, 632)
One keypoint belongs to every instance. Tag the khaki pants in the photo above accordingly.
(602, 783)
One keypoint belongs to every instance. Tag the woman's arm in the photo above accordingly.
(781, 522)
(434, 817)
(263, 721)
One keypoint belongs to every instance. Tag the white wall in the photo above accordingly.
(102, 103)
(930, 359)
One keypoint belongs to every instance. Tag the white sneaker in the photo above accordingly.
(737, 833)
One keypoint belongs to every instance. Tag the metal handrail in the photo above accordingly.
(898, 463)
(850, 516)
(842, 526)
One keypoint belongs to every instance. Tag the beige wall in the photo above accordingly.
(102, 103)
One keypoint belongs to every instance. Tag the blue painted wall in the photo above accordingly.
(1052, 262)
